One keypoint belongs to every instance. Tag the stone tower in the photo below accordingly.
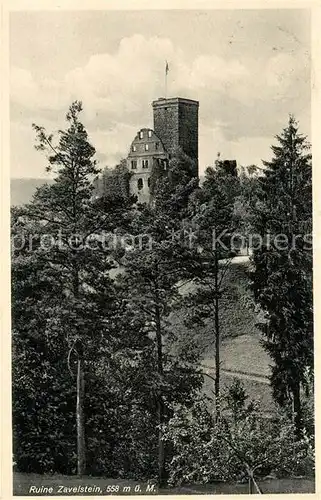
(176, 124)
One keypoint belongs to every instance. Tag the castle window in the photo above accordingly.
(145, 163)
(149, 133)
(140, 184)
(146, 147)
(134, 164)
(156, 145)
(141, 134)
(148, 182)
(134, 148)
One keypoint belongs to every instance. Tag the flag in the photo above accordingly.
(166, 68)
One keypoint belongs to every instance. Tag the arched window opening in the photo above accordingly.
(140, 184)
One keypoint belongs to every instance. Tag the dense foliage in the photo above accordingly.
(107, 373)
(243, 445)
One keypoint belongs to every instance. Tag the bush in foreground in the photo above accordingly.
(242, 445)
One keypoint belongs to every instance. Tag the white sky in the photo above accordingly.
(248, 68)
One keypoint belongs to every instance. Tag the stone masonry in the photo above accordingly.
(176, 123)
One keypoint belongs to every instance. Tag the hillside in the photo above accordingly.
(22, 190)
(237, 312)
(242, 355)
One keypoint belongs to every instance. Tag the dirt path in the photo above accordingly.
(255, 377)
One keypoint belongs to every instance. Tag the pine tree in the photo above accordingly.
(213, 223)
(62, 292)
(154, 267)
(282, 277)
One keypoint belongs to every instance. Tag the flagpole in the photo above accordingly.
(166, 71)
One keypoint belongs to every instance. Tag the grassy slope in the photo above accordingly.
(240, 338)
(241, 348)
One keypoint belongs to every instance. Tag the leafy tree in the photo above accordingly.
(248, 203)
(282, 277)
(113, 182)
(172, 188)
(243, 445)
(44, 401)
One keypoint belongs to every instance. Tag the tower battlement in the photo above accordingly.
(176, 123)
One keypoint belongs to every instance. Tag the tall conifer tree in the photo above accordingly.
(282, 277)
(63, 297)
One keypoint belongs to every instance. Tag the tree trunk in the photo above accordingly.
(80, 417)
(81, 446)
(253, 485)
(161, 444)
(257, 487)
(297, 412)
(217, 341)
(160, 404)
(217, 362)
